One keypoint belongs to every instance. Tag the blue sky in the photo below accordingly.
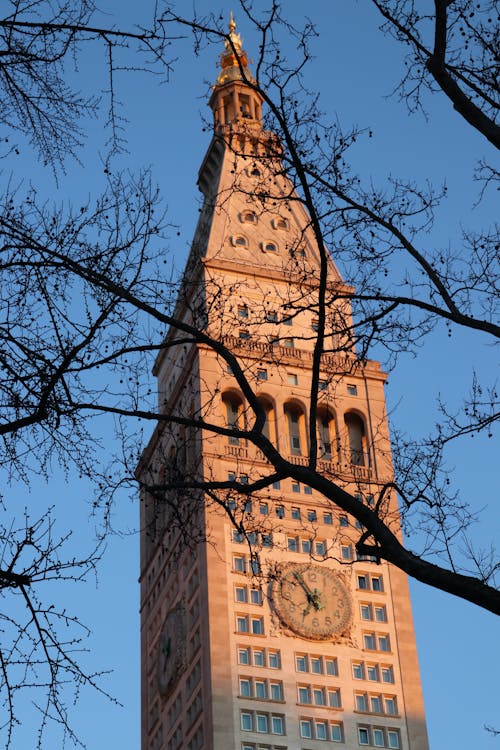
(355, 69)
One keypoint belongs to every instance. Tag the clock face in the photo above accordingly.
(312, 600)
(170, 651)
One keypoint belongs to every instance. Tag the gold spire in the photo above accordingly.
(233, 58)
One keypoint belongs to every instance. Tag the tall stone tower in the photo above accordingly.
(261, 627)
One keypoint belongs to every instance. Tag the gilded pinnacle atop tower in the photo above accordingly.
(234, 60)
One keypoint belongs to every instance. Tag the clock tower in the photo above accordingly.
(261, 628)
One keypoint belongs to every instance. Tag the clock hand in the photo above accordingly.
(313, 597)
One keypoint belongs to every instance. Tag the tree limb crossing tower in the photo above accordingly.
(261, 626)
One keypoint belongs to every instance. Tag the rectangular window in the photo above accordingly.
(361, 702)
(288, 343)
(331, 667)
(276, 689)
(260, 689)
(336, 732)
(378, 738)
(362, 582)
(391, 707)
(245, 688)
(295, 486)
(240, 594)
(384, 643)
(242, 624)
(327, 519)
(334, 698)
(301, 664)
(387, 674)
(365, 611)
(274, 659)
(262, 374)
(320, 729)
(375, 704)
(293, 544)
(363, 736)
(246, 722)
(243, 656)
(257, 625)
(255, 566)
(267, 540)
(255, 596)
(276, 485)
(393, 738)
(292, 378)
(322, 385)
(369, 641)
(296, 514)
(320, 548)
(304, 694)
(377, 583)
(372, 672)
(315, 324)
(343, 520)
(287, 321)
(316, 665)
(357, 671)
(311, 515)
(243, 335)
(380, 614)
(262, 723)
(237, 537)
(259, 658)
(346, 552)
(306, 729)
(307, 490)
(352, 390)
(252, 538)
(243, 311)
(278, 725)
(272, 316)
(319, 697)
(280, 511)
(305, 546)
(263, 509)
(239, 564)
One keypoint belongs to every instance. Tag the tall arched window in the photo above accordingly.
(295, 421)
(357, 440)
(234, 415)
(269, 429)
(326, 435)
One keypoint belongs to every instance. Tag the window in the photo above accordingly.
(237, 536)
(288, 343)
(343, 521)
(304, 694)
(234, 415)
(387, 674)
(363, 736)
(274, 659)
(262, 374)
(260, 689)
(257, 625)
(301, 664)
(356, 438)
(255, 596)
(276, 485)
(346, 552)
(296, 514)
(327, 519)
(269, 247)
(380, 614)
(378, 738)
(243, 656)
(305, 546)
(292, 378)
(267, 540)
(311, 515)
(240, 593)
(280, 510)
(331, 667)
(319, 697)
(358, 672)
(272, 316)
(334, 698)
(239, 563)
(245, 688)
(262, 723)
(243, 335)
(372, 672)
(384, 643)
(255, 566)
(280, 223)
(276, 689)
(377, 583)
(246, 722)
(259, 657)
(369, 641)
(361, 702)
(252, 537)
(293, 544)
(362, 582)
(239, 240)
(320, 548)
(315, 324)
(278, 725)
(352, 390)
(316, 665)
(296, 487)
(242, 624)
(242, 311)
(322, 385)
(249, 217)
(287, 321)
(391, 706)
(376, 704)
(366, 611)
(247, 505)
(393, 738)
(306, 728)
(320, 729)
(307, 490)
(336, 732)
(263, 509)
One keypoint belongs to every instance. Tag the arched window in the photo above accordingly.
(248, 217)
(239, 240)
(357, 440)
(296, 435)
(269, 247)
(234, 415)
(326, 435)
